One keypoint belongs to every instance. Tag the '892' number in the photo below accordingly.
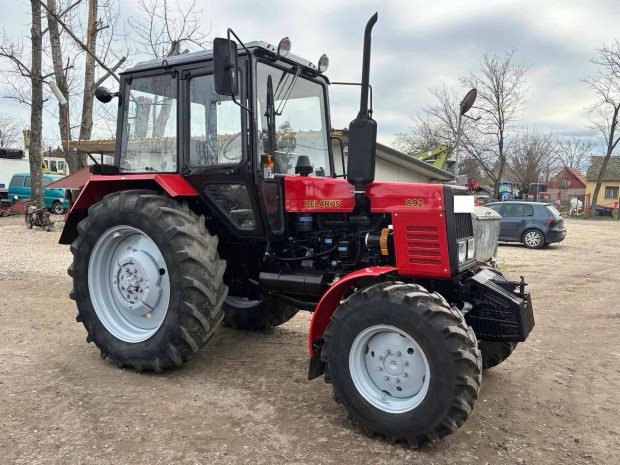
(414, 202)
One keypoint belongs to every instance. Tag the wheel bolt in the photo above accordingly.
(398, 380)
(380, 357)
(148, 315)
(405, 374)
(388, 352)
(387, 378)
(398, 353)
(380, 368)
(405, 363)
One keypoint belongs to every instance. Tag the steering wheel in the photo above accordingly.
(227, 145)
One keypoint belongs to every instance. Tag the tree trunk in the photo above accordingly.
(36, 110)
(61, 81)
(86, 126)
(610, 150)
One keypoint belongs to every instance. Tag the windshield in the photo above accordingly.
(300, 124)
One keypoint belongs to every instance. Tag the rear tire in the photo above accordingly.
(494, 353)
(147, 280)
(256, 315)
(402, 323)
(533, 239)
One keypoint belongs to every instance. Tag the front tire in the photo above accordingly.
(256, 315)
(58, 209)
(147, 280)
(389, 329)
(494, 353)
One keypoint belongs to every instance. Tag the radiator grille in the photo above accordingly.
(423, 245)
(463, 225)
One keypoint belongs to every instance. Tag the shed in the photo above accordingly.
(392, 165)
(567, 184)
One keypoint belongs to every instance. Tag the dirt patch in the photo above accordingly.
(246, 399)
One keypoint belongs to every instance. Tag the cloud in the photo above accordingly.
(416, 45)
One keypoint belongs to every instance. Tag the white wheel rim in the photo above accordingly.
(532, 239)
(128, 284)
(389, 369)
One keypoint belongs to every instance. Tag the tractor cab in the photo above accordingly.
(228, 140)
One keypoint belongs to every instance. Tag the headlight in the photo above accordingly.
(471, 248)
(462, 251)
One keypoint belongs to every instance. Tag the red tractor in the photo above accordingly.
(224, 204)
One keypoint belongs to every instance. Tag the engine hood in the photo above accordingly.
(313, 194)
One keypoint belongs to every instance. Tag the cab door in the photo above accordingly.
(216, 150)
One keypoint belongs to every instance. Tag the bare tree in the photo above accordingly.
(437, 124)
(10, 134)
(575, 152)
(31, 75)
(606, 110)
(166, 30)
(501, 97)
(530, 158)
(93, 57)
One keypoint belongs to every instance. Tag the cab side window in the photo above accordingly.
(17, 181)
(28, 182)
(215, 125)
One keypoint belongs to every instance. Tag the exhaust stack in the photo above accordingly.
(363, 139)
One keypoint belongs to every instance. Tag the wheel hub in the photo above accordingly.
(389, 368)
(133, 303)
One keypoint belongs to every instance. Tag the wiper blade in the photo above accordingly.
(287, 92)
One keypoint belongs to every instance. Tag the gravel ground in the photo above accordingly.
(245, 398)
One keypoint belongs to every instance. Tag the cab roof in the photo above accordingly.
(204, 55)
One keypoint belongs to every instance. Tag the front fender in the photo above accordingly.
(330, 300)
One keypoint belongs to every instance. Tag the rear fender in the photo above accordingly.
(331, 299)
(98, 186)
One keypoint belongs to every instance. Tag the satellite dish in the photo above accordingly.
(468, 101)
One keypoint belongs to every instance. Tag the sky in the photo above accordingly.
(416, 45)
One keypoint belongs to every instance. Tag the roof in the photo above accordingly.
(49, 175)
(204, 55)
(406, 161)
(73, 181)
(102, 146)
(575, 172)
(612, 173)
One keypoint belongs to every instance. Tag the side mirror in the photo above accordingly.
(104, 95)
(15, 198)
(225, 65)
(468, 101)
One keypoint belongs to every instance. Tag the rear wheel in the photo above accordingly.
(243, 313)
(147, 280)
(402, 362)
(533, 239)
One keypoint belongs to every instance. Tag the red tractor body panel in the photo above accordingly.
(99, 186)
(311, 194)
(330, 300)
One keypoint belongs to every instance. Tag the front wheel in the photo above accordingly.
(402, 362)
(58, 209)
(147, 280)
(494, 353)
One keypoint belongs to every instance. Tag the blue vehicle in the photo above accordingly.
(54, 199)
(534, 224)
